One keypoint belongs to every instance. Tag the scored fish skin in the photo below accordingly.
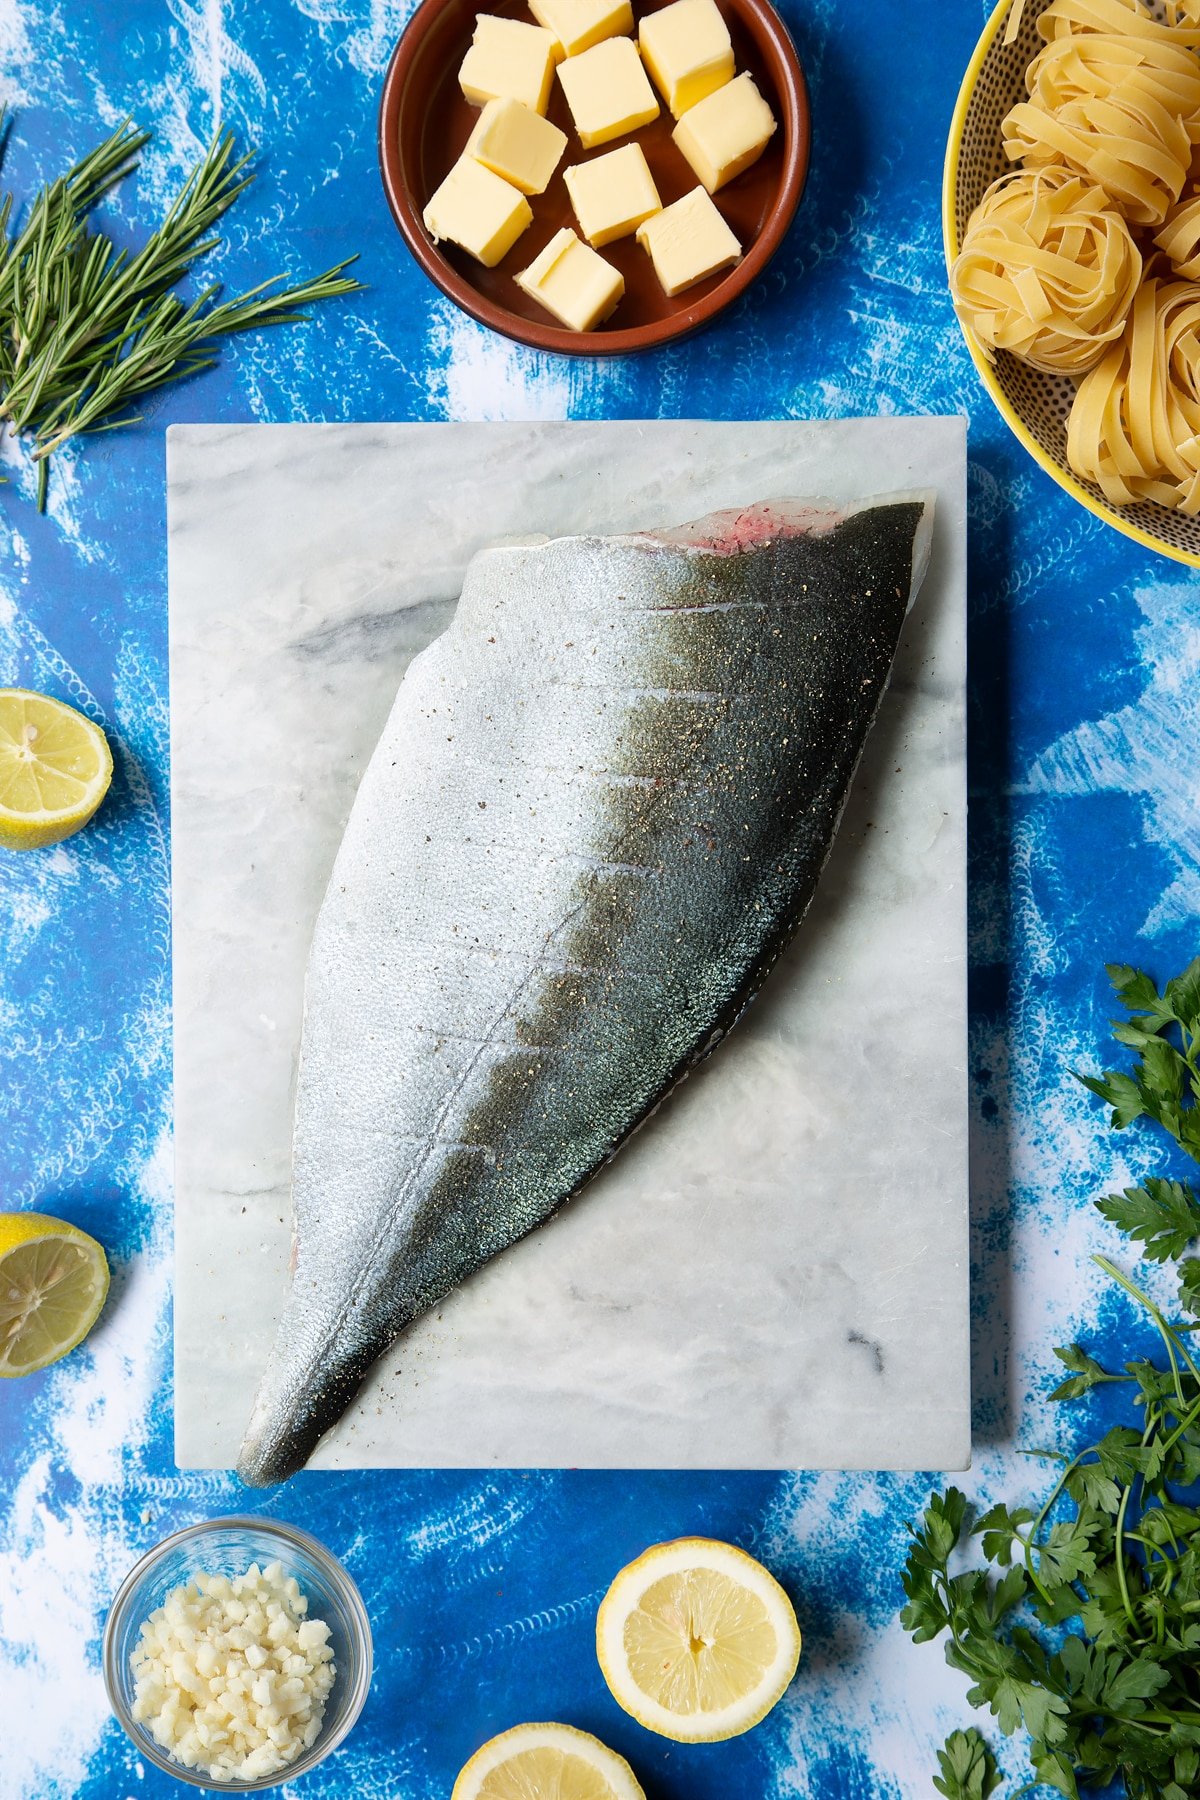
(596, 815)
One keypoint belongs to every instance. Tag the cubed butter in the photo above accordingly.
(478, 211)
(516, 143)
(688, 241)
(612, 194)
(578, 24)
(726, 132)
(509, 60)
(572, 282)
(607, 91)
(687, 49)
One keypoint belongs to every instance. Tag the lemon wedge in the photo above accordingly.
(53, 1280)
(696, 1640)
(546, 1762)
(55, 767)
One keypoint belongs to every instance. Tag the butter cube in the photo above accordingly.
(612, 194)
(509, 60)
(607, 91)
(478, 211)
(518, 144)
(687, 49)
(726, 132)
(688, 241)
(578, 24)
(572, 282)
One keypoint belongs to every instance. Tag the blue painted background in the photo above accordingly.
(1085, 764)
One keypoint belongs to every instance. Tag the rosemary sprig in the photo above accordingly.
(86, 329)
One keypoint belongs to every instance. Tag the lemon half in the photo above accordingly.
(53, 1281)
(546, 1762)
(696, 1640)
(55, 767)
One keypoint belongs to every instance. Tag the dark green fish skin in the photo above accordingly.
(597, 815)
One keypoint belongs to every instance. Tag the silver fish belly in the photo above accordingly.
(597, 814)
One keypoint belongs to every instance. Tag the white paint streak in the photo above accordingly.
(1150, 748)
(476, 374)
(863, 1690)
(213, 53)
(370, 47)
(212, 65)
(866, 1691)
(61, 1560)
(16, 54)
(898, 337)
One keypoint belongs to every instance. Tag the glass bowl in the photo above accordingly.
(228, 1547)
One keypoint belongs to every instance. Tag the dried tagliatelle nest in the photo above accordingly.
(1116, 110)
(1086, 261)
(1048, 270)
(1135, 426)
(1107, 66)
(1179, 237)
(1067, 18)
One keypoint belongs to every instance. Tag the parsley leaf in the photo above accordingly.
(1162, 1216)
(968, 1768)
(1165, 1034)
(1113, 1551)
(1067, 1553)
(1182, 995)
(1137, 992)
(1088, 1485)
(1121, 1092)
(1088, 1373)
(1055, 1771)
(1189, 1285)
(1000, 1530)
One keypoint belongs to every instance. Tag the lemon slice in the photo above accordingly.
(53, 1279)
(55, 767)
(546, 1762)
(697, 1640)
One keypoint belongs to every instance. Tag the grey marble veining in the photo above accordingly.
(774, 1271)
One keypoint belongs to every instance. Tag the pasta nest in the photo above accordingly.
(1107, 66)
(1048, 270)
(1126, 18)
(1179, 237)
(1134, 427)
(1101, 106)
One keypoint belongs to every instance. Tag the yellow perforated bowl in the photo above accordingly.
(1033, 405)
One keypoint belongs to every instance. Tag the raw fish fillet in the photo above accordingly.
(597, 814)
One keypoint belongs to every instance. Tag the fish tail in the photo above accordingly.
(306, 1387)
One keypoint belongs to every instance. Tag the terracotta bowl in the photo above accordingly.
(424, 123)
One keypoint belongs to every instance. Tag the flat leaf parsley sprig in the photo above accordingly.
(86, 329)
(1081, 1623)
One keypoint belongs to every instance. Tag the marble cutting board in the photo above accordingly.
(774, 1272)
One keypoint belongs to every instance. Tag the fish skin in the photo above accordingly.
(597, 814)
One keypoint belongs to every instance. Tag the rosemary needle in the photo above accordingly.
(86, 329)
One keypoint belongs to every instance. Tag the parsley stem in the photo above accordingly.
(1186, 1419)
(1055, 1491)
(1028, 1544)
(1119, 1558)
(1153, 1549)
(1164, 1330)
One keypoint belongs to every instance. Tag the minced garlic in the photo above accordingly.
(229, 1675)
